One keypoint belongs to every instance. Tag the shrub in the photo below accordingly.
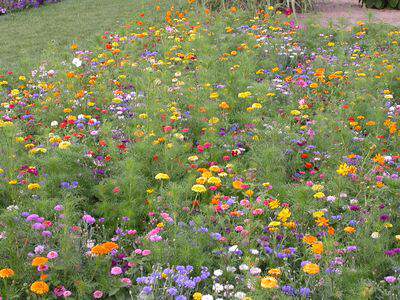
(381, 3)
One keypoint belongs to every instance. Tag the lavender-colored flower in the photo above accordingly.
(390, 279)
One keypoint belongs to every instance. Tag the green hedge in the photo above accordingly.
(381, 3)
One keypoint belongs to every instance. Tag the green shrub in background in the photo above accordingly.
(381, 3)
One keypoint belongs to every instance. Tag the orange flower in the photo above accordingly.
(317, 248)
(349, 229)
(309, 239)
(40, 287)
(39, 261)
(104, 248)
(6, 273)
(322, 222)
(311, 269)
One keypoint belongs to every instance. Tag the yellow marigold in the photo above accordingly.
(275, 272)
(6, 273)
(269, 282)
(39, 261)
(311, 269)
(40, 288)
(197, 296)
(33, 186)
(199, 188)
(244, 95)
(64, 145)
(284, 215)
(162, 176)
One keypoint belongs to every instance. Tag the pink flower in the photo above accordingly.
(126, 281)
(138, 251)
(52, 255)
(97, 294)
(146, 252)
(116, 271)
(67, 294)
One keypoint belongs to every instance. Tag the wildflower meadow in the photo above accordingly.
(204, 153)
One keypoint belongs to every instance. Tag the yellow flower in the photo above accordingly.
(214, 95)
(244, 95)
(274, 204)
(162, 176)
(197, 296)
(269, 282)
(6, 273)
(311, 269)
(34, 186)
(284, 215)
(40, 287)
(64, 145)
(199, 188)
(319, 195)
(275, 272)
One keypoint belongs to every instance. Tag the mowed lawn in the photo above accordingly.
(34, 36)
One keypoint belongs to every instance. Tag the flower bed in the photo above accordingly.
(7, 6)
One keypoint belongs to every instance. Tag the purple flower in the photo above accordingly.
(88, 219)
(390, 279)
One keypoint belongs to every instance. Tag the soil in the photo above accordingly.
(348, 12)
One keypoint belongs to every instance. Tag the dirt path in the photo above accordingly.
(350, 11)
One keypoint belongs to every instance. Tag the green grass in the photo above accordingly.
(34, 36)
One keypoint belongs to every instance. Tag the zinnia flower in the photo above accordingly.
(162, 176)
(6, 273)
(39, 261)
(199, 188)
(269, 282)
(311, 269)
(40, 287)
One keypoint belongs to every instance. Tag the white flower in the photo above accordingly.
(231, 269)
(233, 248)
(217, 287)
(255, 271)
(218, 272)
(207, 297)
(375, 235)
(240, 295)
(54, 124)
(12, 207)
(77, 62)
(254, 251)
(353, 201)
(243, 267)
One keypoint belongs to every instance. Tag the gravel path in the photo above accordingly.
(350, 11)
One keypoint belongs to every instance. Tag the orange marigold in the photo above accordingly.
(39, 261)
(40, 287)
(311, 269)
(6, 273)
